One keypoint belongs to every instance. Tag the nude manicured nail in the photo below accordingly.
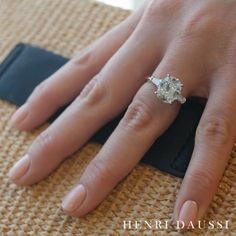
(188, 212)
(19, 115)
(74, 198)
(20, 168)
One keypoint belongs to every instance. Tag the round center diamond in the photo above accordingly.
(169, 89)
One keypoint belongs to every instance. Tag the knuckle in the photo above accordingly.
(100, 169)
(213, 129)
(138, 115)
(83, 58)
(202, 179)
(200, 24)
(45, 141)
(94, 92)
(44, 93)
(156, 9)
(152, 10)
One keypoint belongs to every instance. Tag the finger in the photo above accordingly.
(106, 95)
(145, 120)
(214, 141)
(65, 84)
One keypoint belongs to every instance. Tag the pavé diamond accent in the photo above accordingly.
(168, 89)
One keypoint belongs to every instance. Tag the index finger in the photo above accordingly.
(66, 83)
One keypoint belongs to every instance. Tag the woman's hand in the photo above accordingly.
(192, 40)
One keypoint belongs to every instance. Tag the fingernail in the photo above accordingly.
(20, 168)
(188, 212)
(19, 115)
(74, 198)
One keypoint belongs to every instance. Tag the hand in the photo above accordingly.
(192, 40)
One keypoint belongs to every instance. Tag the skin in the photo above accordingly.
(192, 40)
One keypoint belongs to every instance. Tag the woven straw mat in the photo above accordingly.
(66, 26)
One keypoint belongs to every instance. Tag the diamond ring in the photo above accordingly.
(168, 89)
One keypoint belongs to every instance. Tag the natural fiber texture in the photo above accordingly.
(65, 26)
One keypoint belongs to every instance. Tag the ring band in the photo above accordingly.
(168, 89)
